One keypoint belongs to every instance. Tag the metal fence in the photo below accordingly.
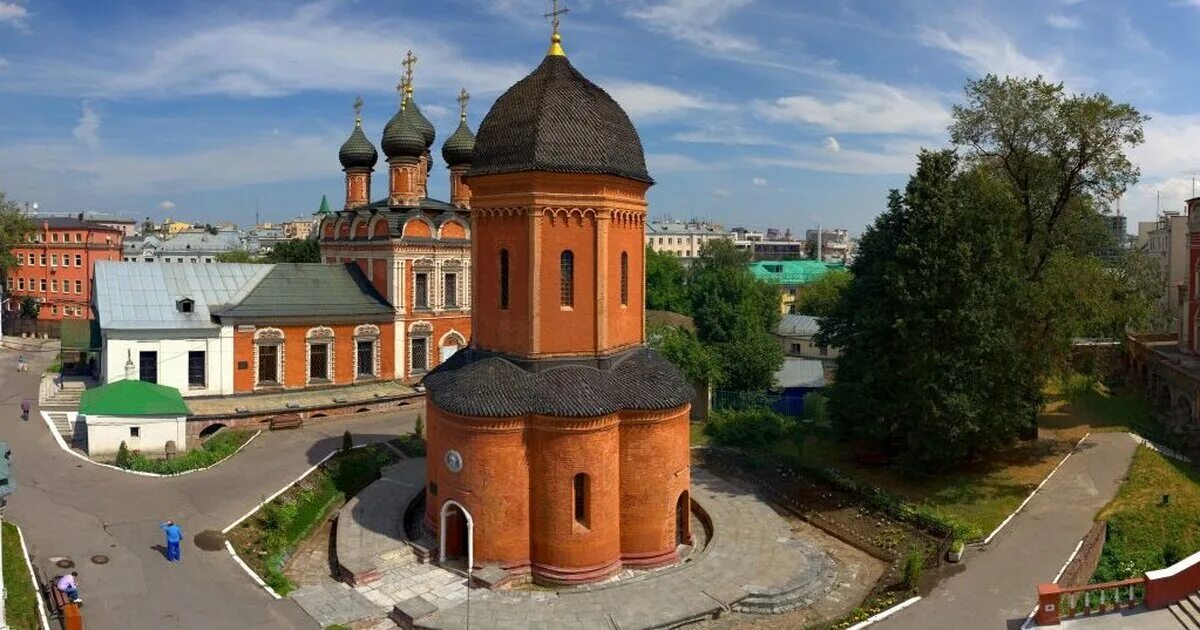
(787, 405)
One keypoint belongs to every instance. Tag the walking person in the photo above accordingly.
(67, 585)
(25, 409)
(174, 535)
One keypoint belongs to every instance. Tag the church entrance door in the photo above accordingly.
(682, 520)
(457, 529)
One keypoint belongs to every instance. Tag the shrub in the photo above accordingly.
(124, 457)
(215, 449)
(751, 428)
(347, 441)
(1172, 553)
(419, 427)
(410, 445)
(914, 562)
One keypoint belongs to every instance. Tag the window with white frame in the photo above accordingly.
(366, 351)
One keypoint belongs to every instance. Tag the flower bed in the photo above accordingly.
(214, 449)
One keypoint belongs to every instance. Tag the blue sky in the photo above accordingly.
(752, 112)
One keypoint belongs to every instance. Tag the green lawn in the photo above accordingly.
(1079, 405)
(20, 602)
(1143, 533)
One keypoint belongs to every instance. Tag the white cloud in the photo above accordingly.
(1063, 21)
(672, 162)
(721, 193)
(864, 107)
(13, 14)
(731, 134)
(759, 181)
(696, 22)
(87, 130)
(982, 49)
(167, 205)
(1168, 160)
(243, 56)
(891, 158)
(831, 144)
(641, 100)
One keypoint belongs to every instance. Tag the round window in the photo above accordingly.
(454, 461)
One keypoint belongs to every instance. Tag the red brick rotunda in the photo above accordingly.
(558, 441)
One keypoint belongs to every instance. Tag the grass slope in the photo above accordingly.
(20, 602)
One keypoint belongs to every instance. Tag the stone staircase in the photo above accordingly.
(64, 396)
(370, 527)
(806, 586)
(1187, 611)
(62, 423)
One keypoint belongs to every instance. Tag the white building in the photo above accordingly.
(156, 323)
(682, 239)
(145, 416)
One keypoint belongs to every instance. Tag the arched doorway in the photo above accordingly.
(456, 534)
(683, 513)
(210, 430)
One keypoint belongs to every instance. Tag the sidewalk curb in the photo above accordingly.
(63, 445)
(37, 589)
(253, 575)
(880, 616)
(1008, 518)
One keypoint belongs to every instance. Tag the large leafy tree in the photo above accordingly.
(818, 298)
(14, 227)
(238, 256)
(932, 364)
(681, 347)
(736, 315)
(666, 288)
(299, 250)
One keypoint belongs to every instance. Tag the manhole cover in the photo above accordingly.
(99, 559)
(210, 540)
(64, 563)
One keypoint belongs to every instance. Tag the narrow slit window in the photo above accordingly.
(581, 499)
(504, 279)
(624, 278)
(566, 285)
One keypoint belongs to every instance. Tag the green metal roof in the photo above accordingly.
(133, 398)
(324, 209)
(312, 291)
(792, 271)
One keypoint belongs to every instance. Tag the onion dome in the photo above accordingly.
(428, 133)
(459, 146)
(555, 119)
(401, 138)
(357, 151)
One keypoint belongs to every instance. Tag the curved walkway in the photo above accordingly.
(69, 509)
(997, 587)
(753, 560)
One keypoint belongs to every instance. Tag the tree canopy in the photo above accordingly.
(820, 297)
(238, 256)
(666, 288)
(297, 250)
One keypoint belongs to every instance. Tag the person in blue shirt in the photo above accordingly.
(174, 535)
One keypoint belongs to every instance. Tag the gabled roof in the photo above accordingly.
(800, 373)
(308, 290)
(133, 398)
(141, 296)
(793, 325)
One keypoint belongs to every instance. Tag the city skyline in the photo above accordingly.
(750, 110)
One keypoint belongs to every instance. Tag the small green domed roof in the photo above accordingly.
(459, 146)
(401, 137)
(357, 151)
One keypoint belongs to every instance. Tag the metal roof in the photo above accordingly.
(793, 325)
(139, 296)
(800, 373)
(792, 271)
(309, 290)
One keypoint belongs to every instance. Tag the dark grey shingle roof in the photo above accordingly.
(459, 147)
(357, 151)
(556, 120)
(310, 290)
(476, 384)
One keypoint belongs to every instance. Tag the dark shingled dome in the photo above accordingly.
(401, 137)
(428, 133)
(357, 151)
(472, 383)
(556, 120)
(459, 146)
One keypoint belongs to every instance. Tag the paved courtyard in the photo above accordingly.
(71, 509)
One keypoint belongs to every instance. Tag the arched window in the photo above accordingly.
(624, 278)
(566, 282)
(504, 279)
(581, 498)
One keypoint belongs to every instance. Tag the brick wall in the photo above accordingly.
(294, 351)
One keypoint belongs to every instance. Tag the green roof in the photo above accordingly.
(133, 398)
(324, 209)
(312, 291)
(792, 271)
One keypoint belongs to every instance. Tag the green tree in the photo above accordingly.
(30, 307)
(932, 363)
(820, 297)
(736, 315)
(682, 348)
(666, 288)
(14, 227)
(297, 250)
(238, 256)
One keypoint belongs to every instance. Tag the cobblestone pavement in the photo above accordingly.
(752, 560)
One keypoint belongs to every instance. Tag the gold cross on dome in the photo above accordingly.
(554, 13)
(358, 103)
(463, 98)
(410, 60)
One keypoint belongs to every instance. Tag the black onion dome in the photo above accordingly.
(428, 133)
(472, 383)
(401, 138)
(357, 151)
(459, 146)
(557, 120)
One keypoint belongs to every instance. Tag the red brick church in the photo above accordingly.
(558, 441)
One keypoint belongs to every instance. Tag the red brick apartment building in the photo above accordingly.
(55, 265)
